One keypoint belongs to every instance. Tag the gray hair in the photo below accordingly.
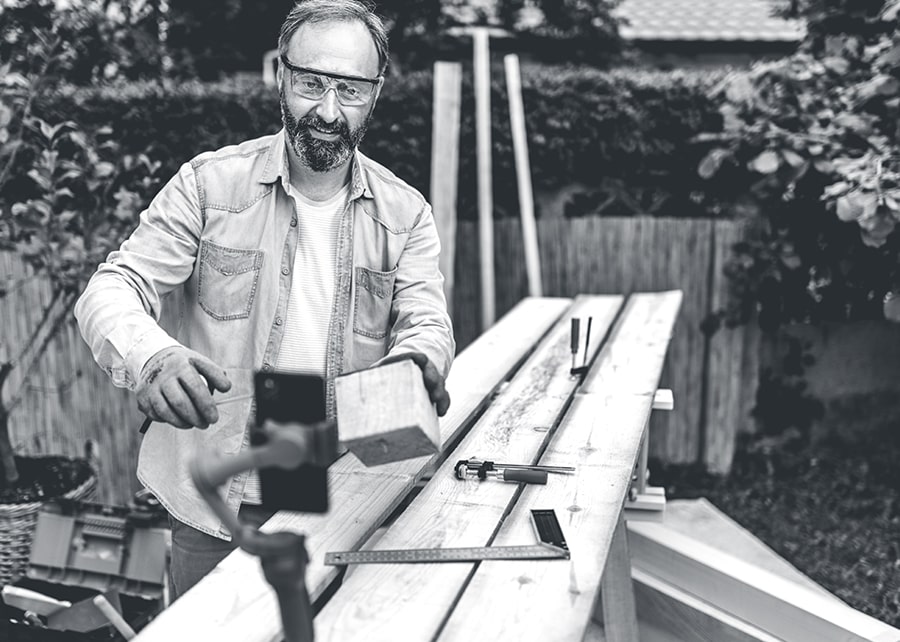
(314, 11)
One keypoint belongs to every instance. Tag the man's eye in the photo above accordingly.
(350, 91)
(310, 82)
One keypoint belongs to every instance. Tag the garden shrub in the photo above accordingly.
(810, 149)
(625, 136)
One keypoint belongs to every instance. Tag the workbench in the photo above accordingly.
(514, 400)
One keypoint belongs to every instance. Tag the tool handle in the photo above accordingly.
(115, 618)
(573, 339)
(525, 476)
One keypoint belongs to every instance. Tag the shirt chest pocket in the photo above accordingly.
(372, 307)
(227, 280)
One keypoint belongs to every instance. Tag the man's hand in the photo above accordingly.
(434, 382)
(176, 387)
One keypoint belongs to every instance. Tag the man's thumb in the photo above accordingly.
(215, 376)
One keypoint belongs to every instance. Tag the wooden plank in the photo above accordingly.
(781, 608)
(600, 436)
(385, 415)
(410, 602)
(724, 380)
(236, 602)
(482, 71)
(617, 591)
(523, 173)
(637, 349)
(669, 614)
(445, 122)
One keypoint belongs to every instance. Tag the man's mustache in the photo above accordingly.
(337, 127)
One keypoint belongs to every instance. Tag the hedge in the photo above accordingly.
(625, 136)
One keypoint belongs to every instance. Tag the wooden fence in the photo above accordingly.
(69, 400)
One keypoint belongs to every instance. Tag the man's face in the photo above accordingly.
(323, 132)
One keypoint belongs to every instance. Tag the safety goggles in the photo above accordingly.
(351, 91)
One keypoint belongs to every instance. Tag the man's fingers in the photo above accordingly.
(443, 402)
(216, 376)
(181, 405)
(200, 397)
(162, 412)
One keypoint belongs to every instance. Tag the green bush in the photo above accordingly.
(626, 137)
(810, 149)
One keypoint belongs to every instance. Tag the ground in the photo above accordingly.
(831, 508)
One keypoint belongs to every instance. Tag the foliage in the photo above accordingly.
(810, 143)
(207, 38)
(553, 30)
(98, 39)
(623, 138)
(66, 198)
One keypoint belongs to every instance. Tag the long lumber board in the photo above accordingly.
(234, 602)
(783, 609)
(668, 614)
(601, 437)
(410, 601)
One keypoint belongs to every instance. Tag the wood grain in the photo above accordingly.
(523, 173)
(235, 601)
(781, 608)
(445, 120)
(409, 602)
(481, 63)
(600, 436)
(668, 613)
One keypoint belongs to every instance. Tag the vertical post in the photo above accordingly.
(523, 174)
(481, 62)
(616, 608)
(445, 164)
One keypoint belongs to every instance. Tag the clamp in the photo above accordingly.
(485, 469)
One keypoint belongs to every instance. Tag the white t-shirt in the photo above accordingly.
(305, 340)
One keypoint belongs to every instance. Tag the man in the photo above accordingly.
(291, 252)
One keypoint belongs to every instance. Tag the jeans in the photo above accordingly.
(194, 553)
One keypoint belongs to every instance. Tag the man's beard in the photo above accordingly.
(317, 154)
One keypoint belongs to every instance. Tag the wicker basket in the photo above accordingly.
(17, 524)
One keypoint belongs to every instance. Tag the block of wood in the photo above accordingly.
(384, 414)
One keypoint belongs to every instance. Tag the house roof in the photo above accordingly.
(706, 20)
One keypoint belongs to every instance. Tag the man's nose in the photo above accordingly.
(328, 108)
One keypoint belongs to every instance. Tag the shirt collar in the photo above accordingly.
(277, 167)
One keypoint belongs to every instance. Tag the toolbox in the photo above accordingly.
(86, 554)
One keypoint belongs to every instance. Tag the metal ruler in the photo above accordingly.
(552, 545)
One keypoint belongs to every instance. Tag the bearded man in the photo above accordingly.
(292, 252)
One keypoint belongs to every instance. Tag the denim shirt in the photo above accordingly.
(213, 256)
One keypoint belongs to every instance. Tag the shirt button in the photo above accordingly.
(266, 367)
(293, 222)
(277, 320)
(285, 271)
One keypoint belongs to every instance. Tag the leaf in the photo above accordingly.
(104, 169)
(835, 189)
(853, 122)
(740, 89)
(837, 64)
(856, 205)
(792, 158)
(765, 163)
(731, 121)
(711, 163)
(890, 10)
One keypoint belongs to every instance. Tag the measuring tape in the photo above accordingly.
(552, 545)
(472, 554)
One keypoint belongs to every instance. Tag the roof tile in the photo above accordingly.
(737, 20)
